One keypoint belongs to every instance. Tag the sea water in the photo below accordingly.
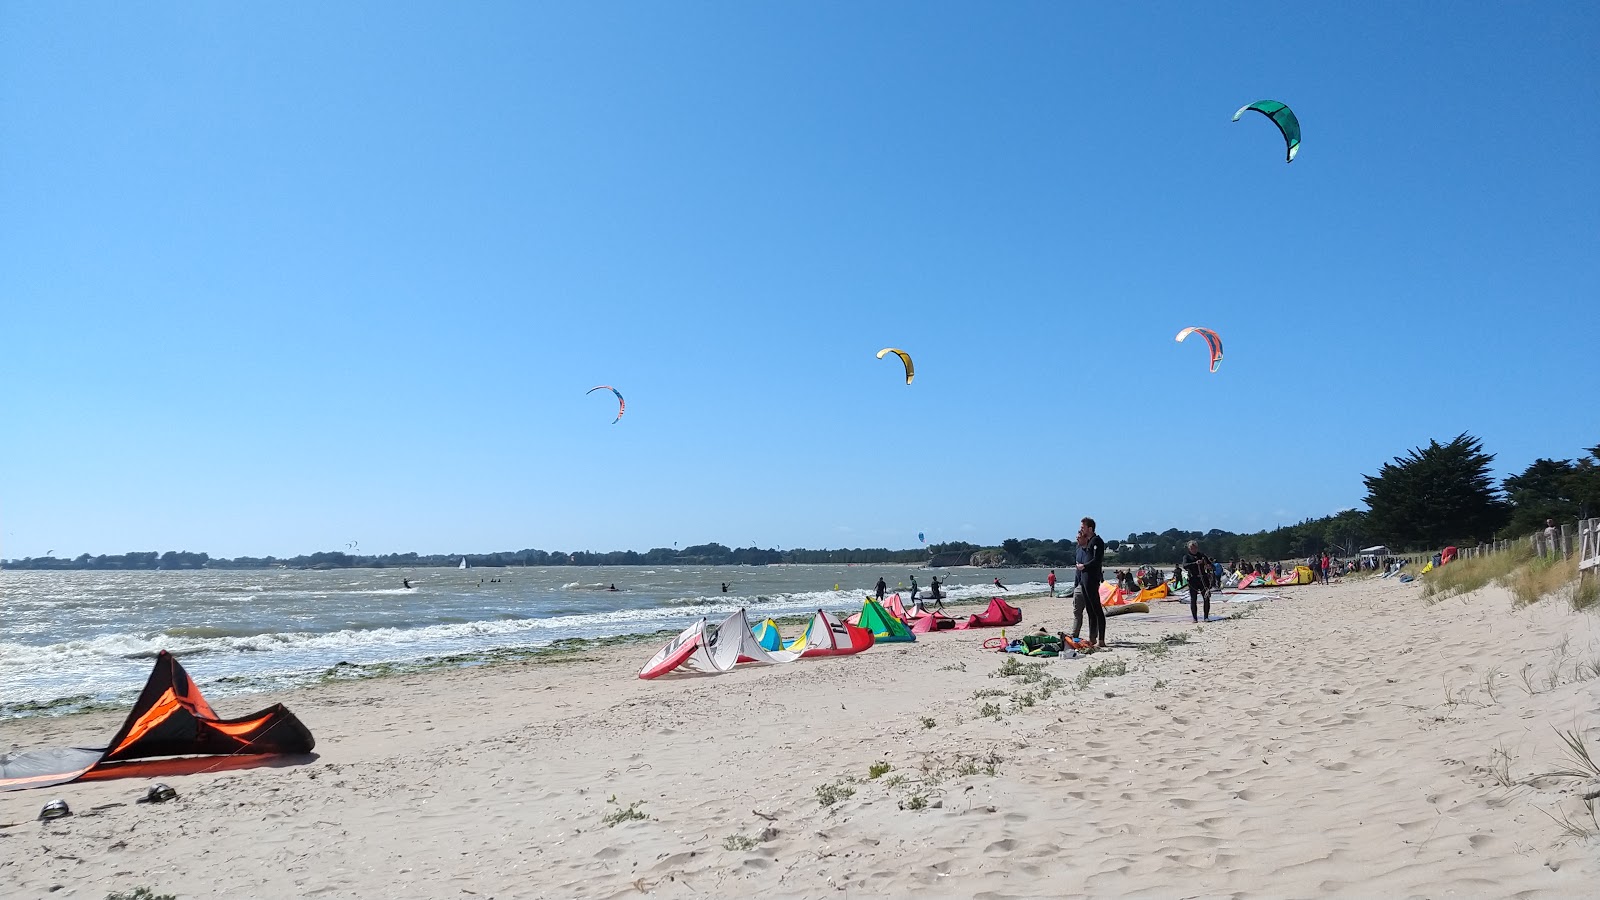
(70, 639)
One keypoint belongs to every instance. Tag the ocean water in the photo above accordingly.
(75, 638)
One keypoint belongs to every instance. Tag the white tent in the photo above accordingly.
(1379, 550)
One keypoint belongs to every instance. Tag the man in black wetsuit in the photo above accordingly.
(1197, 568)
(883, 589)
(1091, 563)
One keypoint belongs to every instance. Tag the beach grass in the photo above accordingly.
(1463, 576)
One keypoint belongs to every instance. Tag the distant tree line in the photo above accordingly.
(1433, 496)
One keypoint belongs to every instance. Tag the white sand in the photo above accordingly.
(1307, 750)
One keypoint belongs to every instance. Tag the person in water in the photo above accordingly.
(406, 582)
(1091, 562)
(613, 587)
(933, 588)
(724, 587)
(883, 589)
(1001, 586)
(914, 589)
(1197, 566)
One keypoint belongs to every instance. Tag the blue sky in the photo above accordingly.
(279, 278)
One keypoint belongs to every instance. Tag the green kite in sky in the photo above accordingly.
(1281, 116)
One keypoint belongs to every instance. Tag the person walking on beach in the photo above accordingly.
(1001, 586)
(1327, 567)
(1198, 567)
(1091, 562)
(914, 589)
(1052, 582)
(883, 589)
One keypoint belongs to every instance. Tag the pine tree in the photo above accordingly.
(1436, 495)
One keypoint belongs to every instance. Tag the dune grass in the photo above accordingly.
(1463, 576)
(1540, 578)
(1528, 578)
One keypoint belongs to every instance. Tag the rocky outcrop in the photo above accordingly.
(988, 559)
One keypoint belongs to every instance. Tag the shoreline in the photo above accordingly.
(561, 650)
(1340, 741)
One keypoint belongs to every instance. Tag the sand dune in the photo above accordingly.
(1339, 741)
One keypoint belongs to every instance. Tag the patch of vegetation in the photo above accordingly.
(1108, 669)
(1586, 592)
(954, 667)
(928, 722)
(894, 781)
(1023, 701)
(739, 842)
(879, 769)
(1500, 767)
(629, 813)
(989, 709)
(1177, 637)
(1463, 576)
(1527, 678)
(988, 692)
(1157, 649)
(915, 801)
(1489, 684)
(1160, 683)
(1580, 761)
(834, 791)
(1539, 578)
(139, 893)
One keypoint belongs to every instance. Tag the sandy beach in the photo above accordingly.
(1348, 740)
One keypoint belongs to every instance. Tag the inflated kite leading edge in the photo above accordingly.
(622, 405)
(904, 358)
(1213, 341)
(1281, 116)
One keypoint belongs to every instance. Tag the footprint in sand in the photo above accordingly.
(1000, 847)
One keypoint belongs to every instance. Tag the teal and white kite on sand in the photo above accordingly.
(1281, 116)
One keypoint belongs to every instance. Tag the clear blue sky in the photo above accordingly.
(277, 278)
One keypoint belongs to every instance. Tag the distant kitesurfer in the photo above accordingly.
(724, 587)
(1001, 586)
(883, 589)
(613, 587)
(406, 582)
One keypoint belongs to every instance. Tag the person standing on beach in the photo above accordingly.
(1198, 567)
(1551, 533)
(1052, 581)
(883, 589)
(914, 589)
(1091, 563)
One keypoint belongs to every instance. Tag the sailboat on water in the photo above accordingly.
(463, 564)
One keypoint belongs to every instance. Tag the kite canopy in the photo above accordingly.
(1281, 116)
(714, 649)
(622, 405)
(904, 358)
(170, 718)
(1213, 340)
(884, 626)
